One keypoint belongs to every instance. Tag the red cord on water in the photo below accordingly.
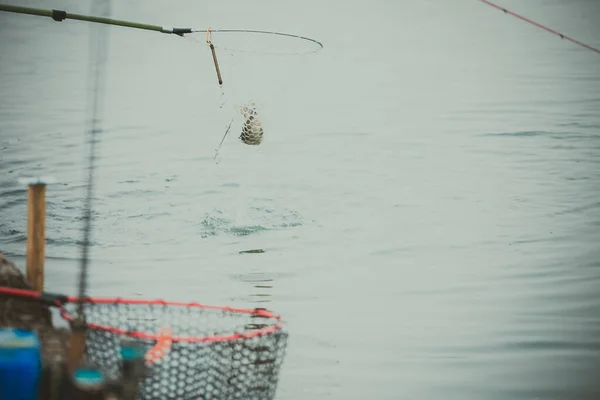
(540, 26)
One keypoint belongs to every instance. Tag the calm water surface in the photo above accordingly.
(427, 193)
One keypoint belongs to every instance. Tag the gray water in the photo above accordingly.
(427, 192)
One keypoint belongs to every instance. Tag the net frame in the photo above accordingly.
(251, 333)
(59, 301)
(238, 365)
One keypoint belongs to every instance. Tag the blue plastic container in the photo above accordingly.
(20, 364)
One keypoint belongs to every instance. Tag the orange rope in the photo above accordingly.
(162, 346)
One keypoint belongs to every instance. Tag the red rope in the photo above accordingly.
(20, 293)
(541, 26)
(33, 295)
(190, 339)
(119, 300)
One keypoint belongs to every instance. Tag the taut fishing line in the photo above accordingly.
(222, 140)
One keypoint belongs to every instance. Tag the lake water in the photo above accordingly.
(427, 193)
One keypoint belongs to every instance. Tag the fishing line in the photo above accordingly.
(97, 63)
(222, 140)
(562, 36)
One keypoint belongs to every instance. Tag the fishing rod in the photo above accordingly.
(60, 15)
(562, 36)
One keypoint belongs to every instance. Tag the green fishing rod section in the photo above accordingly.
(59, 15)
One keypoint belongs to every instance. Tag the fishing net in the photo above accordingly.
(211, 353)
(253, 70)
(252, 132)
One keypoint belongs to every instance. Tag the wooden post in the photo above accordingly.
(36, 234)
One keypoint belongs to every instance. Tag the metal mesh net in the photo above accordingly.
(216, 353)
(252, 130)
